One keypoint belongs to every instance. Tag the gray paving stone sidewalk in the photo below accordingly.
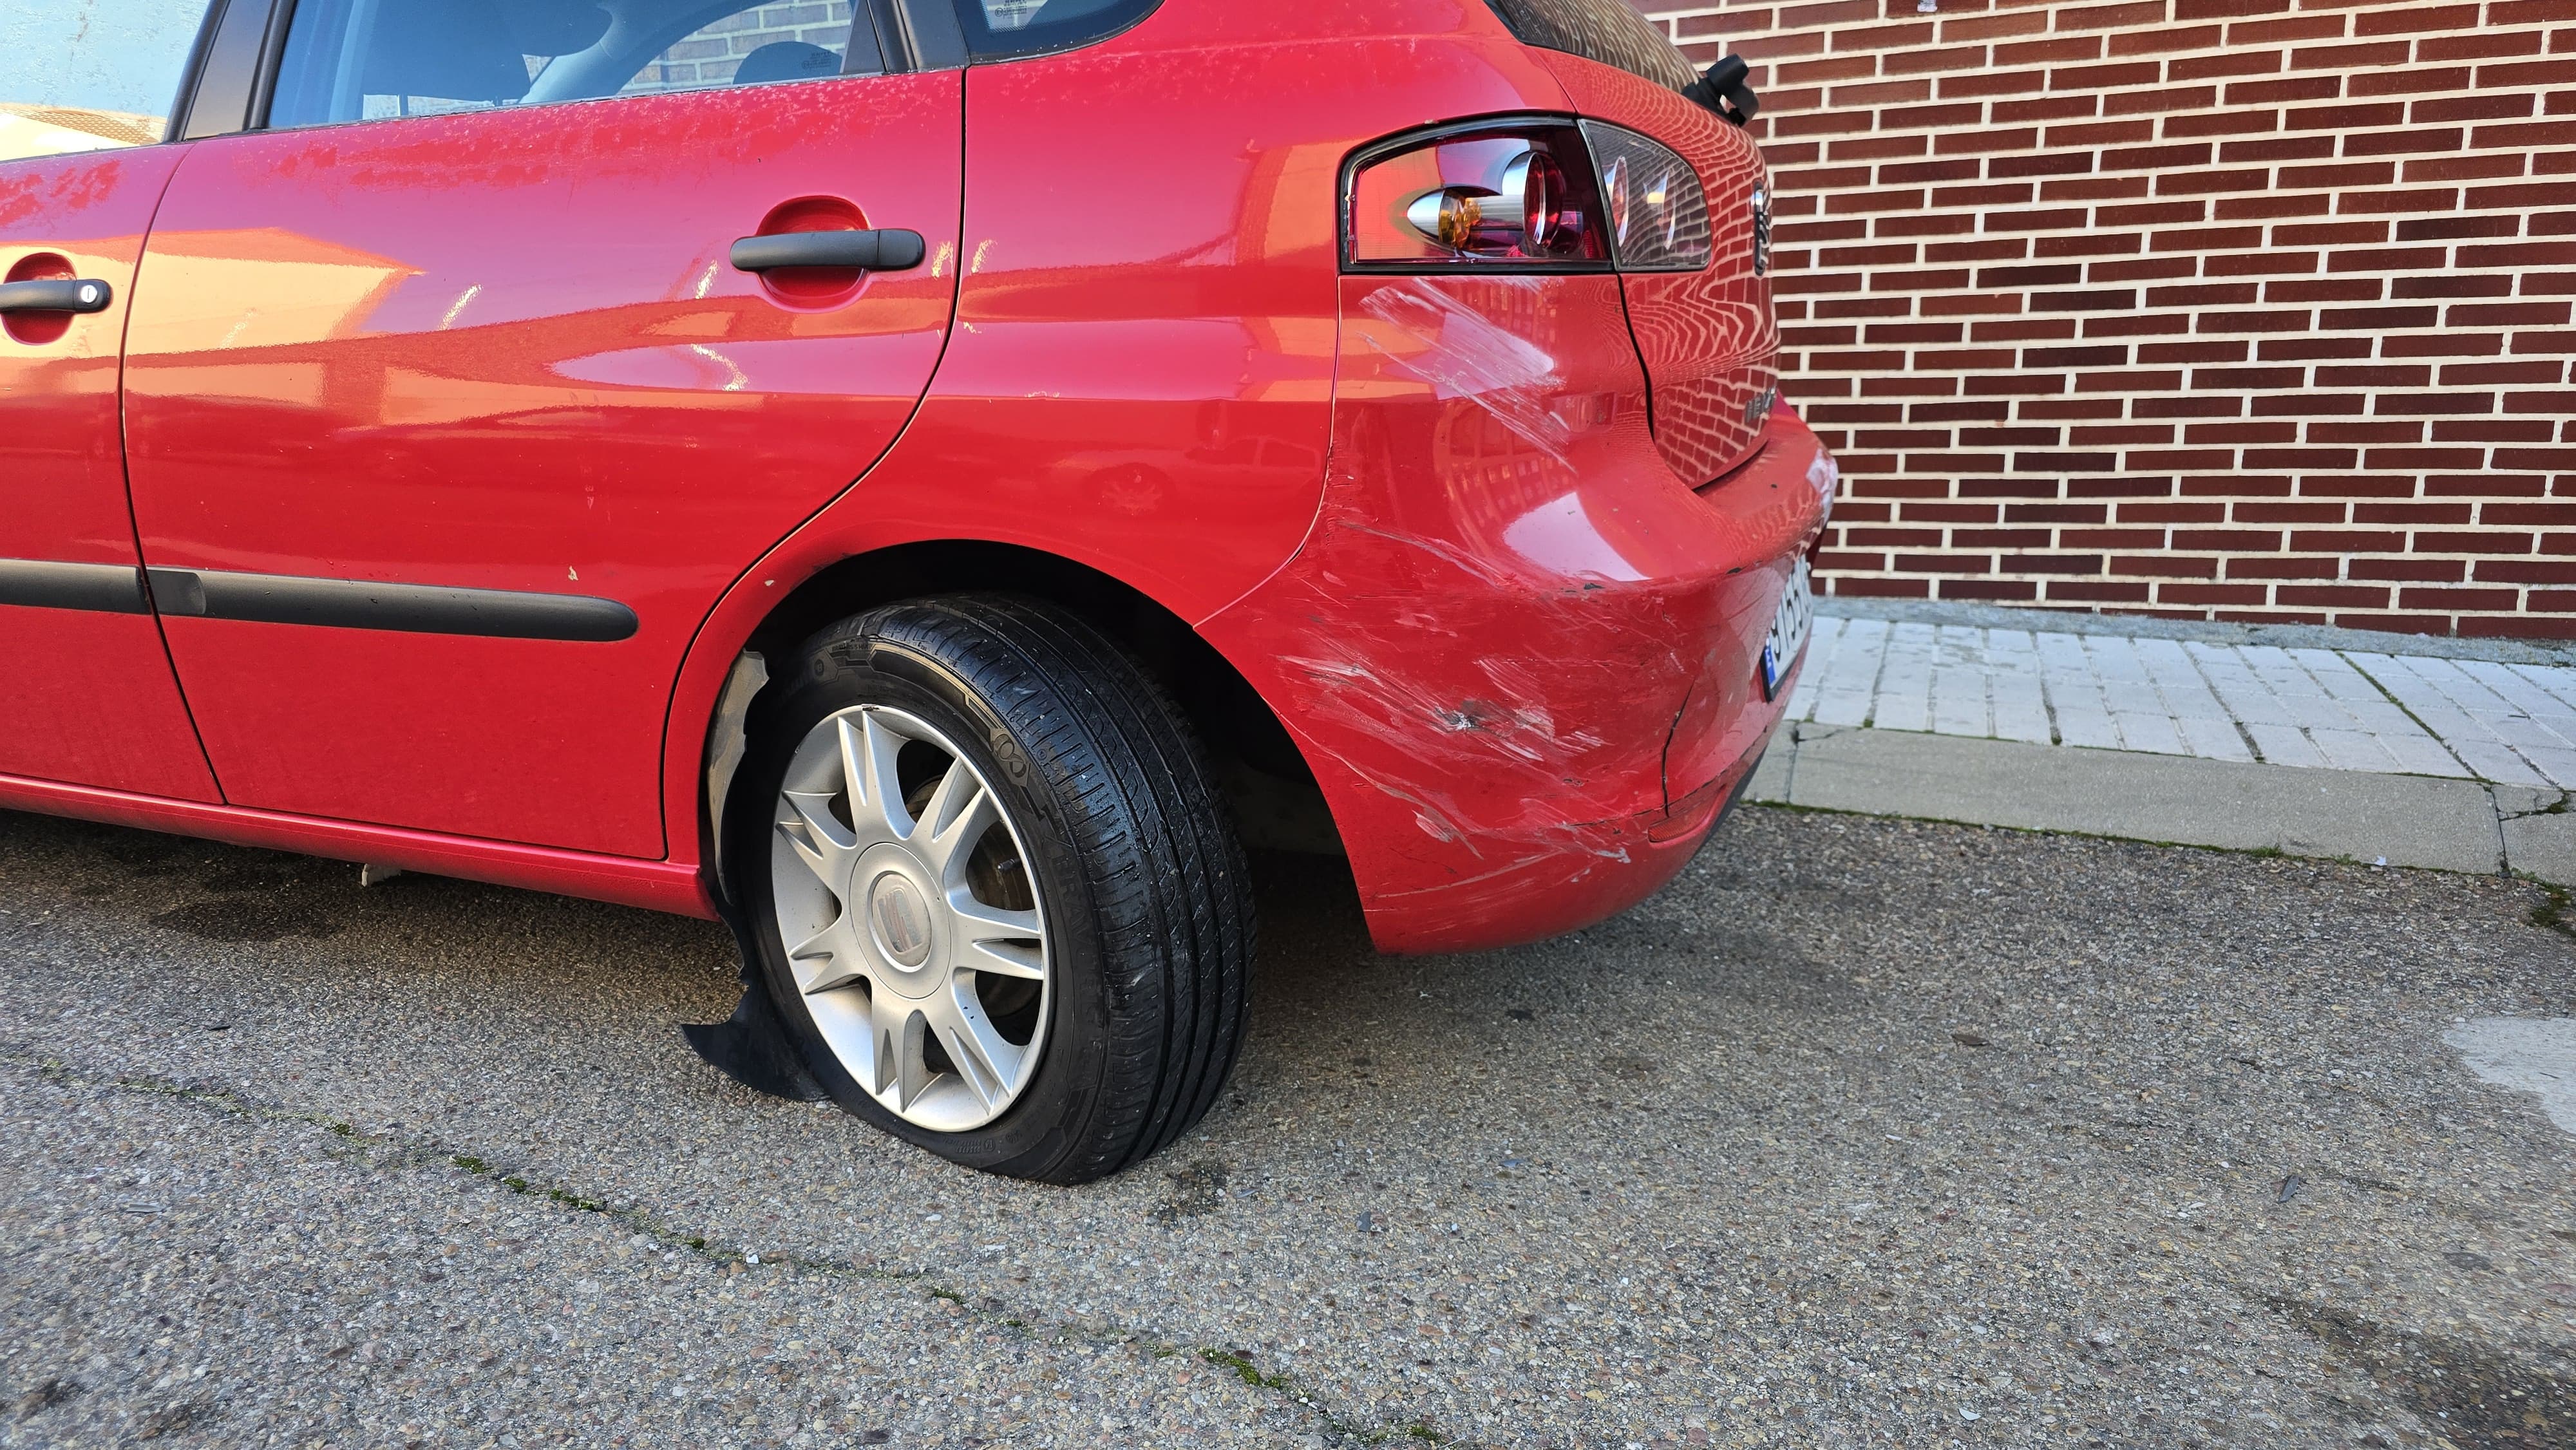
(2458, 755)
(2502, 721)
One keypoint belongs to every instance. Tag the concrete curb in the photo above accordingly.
(2131, 626)
(2405, 820)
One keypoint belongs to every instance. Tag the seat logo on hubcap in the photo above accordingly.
(901, 918)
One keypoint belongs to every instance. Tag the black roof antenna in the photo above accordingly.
(1721, 88)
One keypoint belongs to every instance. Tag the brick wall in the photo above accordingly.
(2251, 309)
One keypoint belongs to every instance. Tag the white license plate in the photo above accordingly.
(1788, 636)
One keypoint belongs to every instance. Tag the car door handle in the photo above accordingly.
(67, 294)
(869, 251)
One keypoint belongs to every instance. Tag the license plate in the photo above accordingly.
(1788, 636)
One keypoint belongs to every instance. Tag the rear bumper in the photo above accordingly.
(1521, 656)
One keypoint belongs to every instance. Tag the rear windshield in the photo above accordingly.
(1603, 30)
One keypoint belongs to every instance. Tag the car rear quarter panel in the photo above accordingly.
(1709, 339)
(1509, 609)
(1141, 374)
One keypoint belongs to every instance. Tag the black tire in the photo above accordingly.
(1149, 909)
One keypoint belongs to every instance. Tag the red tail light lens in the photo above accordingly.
(1511, 196)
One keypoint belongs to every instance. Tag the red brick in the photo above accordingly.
(2383, 375)
(2523, 197)
(2332, 596)
(2265, 511)
(2190, 10)
(2003, 590)
(2284, 90)
(2489, 106)
(2351, 57)
(2165, 566)
(2312, 349)
(2228, 541)
(2484, 541)
(2271, 205)
(2453, 228)
(2508, 513)
(1945, 565)
(2417, 202)
(2213, 593)
(2532, 73)
(2479, 44)
(2409, 570)
(2246, 61)
(2503, 373)
(2527, 135)
(2093, 592)
(2302, 290)
(2417, 19)
(2296, 27)
(2516, 626)
(2280, 566)
(2212, 180)
(2526, 571)
(2445, 344)
(2111, 538)
(2471, 166)
(2519, 254)
(2397, 623)
(2455, 599)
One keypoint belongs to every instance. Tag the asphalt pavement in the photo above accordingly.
(1865, 1132)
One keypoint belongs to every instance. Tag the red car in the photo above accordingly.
(925, 488)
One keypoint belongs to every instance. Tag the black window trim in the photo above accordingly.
(232, 54)
(926, 31)
(272, 56)
(185, 101)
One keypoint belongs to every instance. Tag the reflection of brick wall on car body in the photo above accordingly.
(2255, 309)
(710, 54)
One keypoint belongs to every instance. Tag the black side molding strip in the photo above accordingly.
(99, 588)
(407, 608)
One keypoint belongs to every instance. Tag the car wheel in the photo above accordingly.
(992, 886)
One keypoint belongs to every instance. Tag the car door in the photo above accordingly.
(450, 416)
(86, 695)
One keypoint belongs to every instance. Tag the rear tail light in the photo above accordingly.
(1511, 197)
(1658, 213)
(1524, 196)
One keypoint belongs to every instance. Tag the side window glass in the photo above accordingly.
(999, 29)
(79, 76)
(761, 43)
(364, 60)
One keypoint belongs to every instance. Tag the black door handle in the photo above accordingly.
(68, 294)
(874, 251)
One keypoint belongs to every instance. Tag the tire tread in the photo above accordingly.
(1167, 875)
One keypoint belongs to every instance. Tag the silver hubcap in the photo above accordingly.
(910, 917)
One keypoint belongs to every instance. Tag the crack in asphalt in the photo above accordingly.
(383, 1152)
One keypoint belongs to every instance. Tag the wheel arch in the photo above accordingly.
(1268, 782)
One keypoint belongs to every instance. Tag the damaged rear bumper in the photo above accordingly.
(1520, 655)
